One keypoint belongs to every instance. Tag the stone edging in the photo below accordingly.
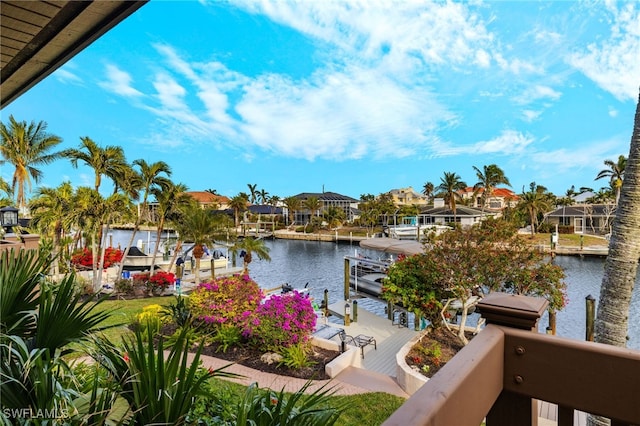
(410, 381)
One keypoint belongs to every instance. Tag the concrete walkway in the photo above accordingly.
(351, 381)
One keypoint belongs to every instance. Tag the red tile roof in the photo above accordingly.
(204, 197)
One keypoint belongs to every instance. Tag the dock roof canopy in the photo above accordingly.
(38, 37)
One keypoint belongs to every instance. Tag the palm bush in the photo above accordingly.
(268, 408)
(159, 388)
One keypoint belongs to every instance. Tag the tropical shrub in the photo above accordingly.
(266, 407)
(84, 257)
(160, 281)
(297, 356)
(140, 279)
(151, 318)
(178, 312)
(159, 388)
(123, 286)
(225, 300)
(489, 255)
(227, 335)
(281, 321)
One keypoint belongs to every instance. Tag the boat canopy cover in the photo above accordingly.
(135, 251)
(393, 245)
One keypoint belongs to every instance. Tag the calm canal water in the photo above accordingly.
(321, 264)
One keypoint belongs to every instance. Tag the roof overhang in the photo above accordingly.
(38, 37)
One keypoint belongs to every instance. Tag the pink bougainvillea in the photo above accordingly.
(281, 321)
(228, 300)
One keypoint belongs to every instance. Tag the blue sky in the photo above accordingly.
(353, 97)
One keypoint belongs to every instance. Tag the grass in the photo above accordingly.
(369, 409)
(363, 409)
(123, 312)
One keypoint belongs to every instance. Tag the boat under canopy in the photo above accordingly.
(393, 245)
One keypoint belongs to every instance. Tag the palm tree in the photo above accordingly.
(624, 251)
(108, 161)
(199, 227)
(26, 146)
(251, 245)
(170, 201)
(450, 184)
(49, 210)
(263, 196)
(212, 191)
(313, 204)
(238, 204)
(615, 173)
(488, 178)
(253, 192)
(427, 190)
(612, 320)
(6, 199)
(293, 205)
(334, 216)
(151, 176)
(534, 202)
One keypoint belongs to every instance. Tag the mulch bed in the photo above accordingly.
(250, 357)
(422, 353)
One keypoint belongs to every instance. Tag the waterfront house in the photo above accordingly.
(327, 199)
(442, 214)
(500, 198)
(583, 218)
(408, 197)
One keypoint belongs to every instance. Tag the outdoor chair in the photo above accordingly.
(359, 341)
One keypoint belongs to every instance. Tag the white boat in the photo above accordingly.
(407, 231)
(136, 260)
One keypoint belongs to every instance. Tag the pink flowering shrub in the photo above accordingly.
(281, 321)
(225, 300)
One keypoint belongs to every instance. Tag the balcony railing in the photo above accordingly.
(501, 375)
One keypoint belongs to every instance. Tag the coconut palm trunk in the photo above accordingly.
(621, 266)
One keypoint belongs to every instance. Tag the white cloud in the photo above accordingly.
(613, 112)
(613, 63)
(530, 115)
(119, 82)
(65, 76)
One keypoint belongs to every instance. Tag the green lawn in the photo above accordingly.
(364, 409)
(124, 311)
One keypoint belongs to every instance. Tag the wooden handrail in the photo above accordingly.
(503, 371)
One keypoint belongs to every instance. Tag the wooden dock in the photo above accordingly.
(389, 338)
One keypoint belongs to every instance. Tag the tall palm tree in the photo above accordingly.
(533, 202)
(488, 178)
(624, 251)
(151, 176)
(199, 227)
(263, 196)
(26, 146)
(238, 204)
(450, 184)
(108, 161)
(250, 246)
(253, 192)
(5, 189)
(427, 190)
(612, 320)
(615, 173)
(293, 205)
(49, 210)
(170, 200)
(313, 204)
